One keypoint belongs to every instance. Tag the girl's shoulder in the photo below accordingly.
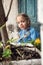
(32, 29)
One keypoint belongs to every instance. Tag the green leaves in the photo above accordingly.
(11, 40)
(7, 53)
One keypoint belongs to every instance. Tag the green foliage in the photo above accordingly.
(7, 53)
(38, 46)
(11, 40)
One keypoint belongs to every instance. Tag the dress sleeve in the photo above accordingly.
(34, 34)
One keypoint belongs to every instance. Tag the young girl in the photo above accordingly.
(27, 33)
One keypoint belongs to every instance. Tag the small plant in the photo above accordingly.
(12, 40)
(37, 43)
(7, 52)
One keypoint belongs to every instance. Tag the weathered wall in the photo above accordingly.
(13, 12)
(12, 15)
(40, 11)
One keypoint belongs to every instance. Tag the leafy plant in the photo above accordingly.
(7, 53)
(37, 43)
(11, 40)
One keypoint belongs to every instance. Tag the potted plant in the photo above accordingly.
(7, 53)
(37, 43)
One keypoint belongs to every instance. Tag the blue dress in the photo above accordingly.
(28, 35)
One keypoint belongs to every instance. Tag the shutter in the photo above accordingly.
(29, 7)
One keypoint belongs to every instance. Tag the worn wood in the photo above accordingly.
(4, 35)
(2, 22)
(2, 14)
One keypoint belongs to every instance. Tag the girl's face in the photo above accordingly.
(22, 22)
